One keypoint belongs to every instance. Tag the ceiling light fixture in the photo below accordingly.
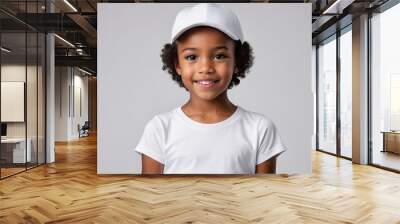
(5, 49)
(79, 51)
(86, 72)
(70, 5)
(64, 40)
(329, 9)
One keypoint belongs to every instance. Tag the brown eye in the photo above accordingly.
(190, 57)
(220, 56)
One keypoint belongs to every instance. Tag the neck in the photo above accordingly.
(221, 104)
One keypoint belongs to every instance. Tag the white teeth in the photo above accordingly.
(205, 82)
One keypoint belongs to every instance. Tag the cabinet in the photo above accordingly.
(391, 142)
(13, 150)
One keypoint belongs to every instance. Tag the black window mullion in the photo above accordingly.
(338, 92)
(0, 96)
(317, 96)
(369, 91)
(26, 86)
(37, 89)
(44, 72)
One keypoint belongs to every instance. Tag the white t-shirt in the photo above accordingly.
(232, 146)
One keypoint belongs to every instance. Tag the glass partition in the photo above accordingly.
(41, 87)
(327, 96)
(13, 109)
(22, 77)
(32, 95)
(33, 7)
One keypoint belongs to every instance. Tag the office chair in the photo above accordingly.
(84, 130)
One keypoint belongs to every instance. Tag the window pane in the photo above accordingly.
(327, 97)
(386, 88)
(346, 94)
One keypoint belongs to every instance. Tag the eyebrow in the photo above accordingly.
(215, 48)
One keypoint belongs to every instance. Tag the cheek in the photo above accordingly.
(186, 71)
(186, 74)
(226, 70)
(185, 67)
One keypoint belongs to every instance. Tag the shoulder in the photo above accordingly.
(162, 120)
(260, 120)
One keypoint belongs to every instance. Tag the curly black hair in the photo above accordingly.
(243, 57)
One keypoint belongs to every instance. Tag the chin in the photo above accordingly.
(207, 96)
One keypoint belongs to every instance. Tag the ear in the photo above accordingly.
(178, 69)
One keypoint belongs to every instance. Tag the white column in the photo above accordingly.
(50, 110)
(360, 90)
(50, 92)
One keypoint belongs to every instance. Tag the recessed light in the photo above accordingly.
(64, 40)
(5, 50)
(334, 7)
(86, 72)
(70, 5)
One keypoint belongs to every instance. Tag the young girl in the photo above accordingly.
(208, 134)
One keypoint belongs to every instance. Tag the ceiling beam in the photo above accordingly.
(86, 26)
(85, 61)
(337, 7)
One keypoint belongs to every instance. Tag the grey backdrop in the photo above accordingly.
(132, 88)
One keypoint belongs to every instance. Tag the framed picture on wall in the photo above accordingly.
(12, 101)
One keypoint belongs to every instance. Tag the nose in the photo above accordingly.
(206, 66)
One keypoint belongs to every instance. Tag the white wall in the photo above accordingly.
(61, 103)
(68, 80)
(132, 88)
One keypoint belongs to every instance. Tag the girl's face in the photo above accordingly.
(206, 62)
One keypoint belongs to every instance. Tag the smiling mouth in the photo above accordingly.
(206, 83)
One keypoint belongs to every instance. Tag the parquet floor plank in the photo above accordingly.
(70, 191)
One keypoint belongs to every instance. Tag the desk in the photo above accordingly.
(391, 141)
(15, 148)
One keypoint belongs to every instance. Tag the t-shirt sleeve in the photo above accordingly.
(151, 142)
(270, 142)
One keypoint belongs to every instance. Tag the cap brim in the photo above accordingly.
(177, 35)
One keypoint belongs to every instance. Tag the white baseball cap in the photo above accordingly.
(207, 14)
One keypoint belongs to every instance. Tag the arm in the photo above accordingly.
(151, 166)
(268, 166)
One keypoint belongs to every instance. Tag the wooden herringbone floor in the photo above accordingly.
(70, 191)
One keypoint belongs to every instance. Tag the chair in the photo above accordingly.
(84, 130)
